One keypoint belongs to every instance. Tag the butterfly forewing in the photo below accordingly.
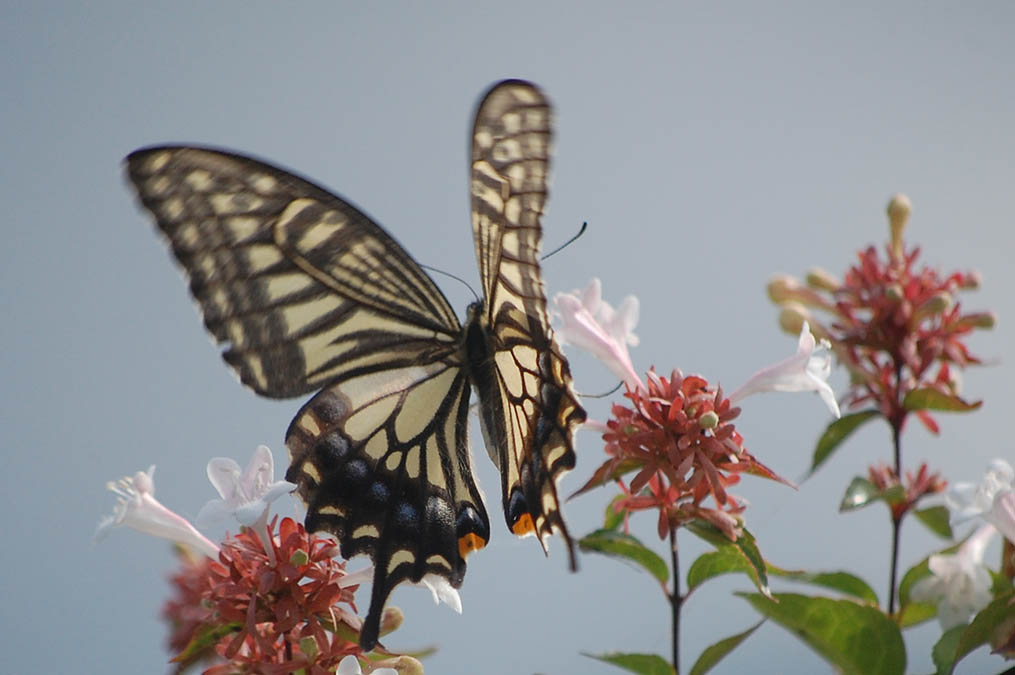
(297, 283)
(530, 411)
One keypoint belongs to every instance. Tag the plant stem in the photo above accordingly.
(896, 531)
(897, 420)
(676, 600)
(897, 444)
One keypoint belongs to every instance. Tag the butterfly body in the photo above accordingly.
(308, 294)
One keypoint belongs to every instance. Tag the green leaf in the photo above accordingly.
(912, 575)
(713, 654)
(936, 520)
(862, 492)
(645, 664)
(999, 583)
(836, 432)
(714, 563)
(1000, 611)
(929, 398)
(916, 613)
(854, 638)
(622, 545)
(204, 640)
(943, 653)
(613, 518)
(844, 582)
(608, 471)
(745, 546)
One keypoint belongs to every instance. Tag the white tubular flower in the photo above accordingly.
(138, 509)
(959, 584)
(590, 323)
(1002, 513)
(245, 495)
(976, 500)
(807, 370)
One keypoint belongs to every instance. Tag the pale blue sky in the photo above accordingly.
(708, 147)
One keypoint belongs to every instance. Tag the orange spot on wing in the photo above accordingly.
(469, 543)
(523, 525)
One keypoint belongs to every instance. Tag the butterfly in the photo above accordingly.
(307, 294)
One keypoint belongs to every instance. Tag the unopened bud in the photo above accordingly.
(792, 317)
(935, 305)
(971, 281)
(782, 289)
(391, 619)
(894, 292)
(985, 320)
(299, 558)
(708, 420)
(822, 280)
(404, 665)
(899, 209)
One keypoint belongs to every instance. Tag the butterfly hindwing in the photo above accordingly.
(529, 410)
(383, 462)
(299, 284)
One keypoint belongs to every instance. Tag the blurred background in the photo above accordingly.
(709, 147)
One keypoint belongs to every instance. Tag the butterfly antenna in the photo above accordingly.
(458, 279)
(568, 242)
(603, 395)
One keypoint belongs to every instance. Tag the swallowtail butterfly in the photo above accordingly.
(307, 294)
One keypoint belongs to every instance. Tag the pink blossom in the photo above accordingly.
(590, 323)
(807, 370)
(138, 509)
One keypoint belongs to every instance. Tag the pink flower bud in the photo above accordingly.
(822, 280)
(899, 209)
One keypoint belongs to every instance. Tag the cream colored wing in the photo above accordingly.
(382, 461)
(511, 139)
(529, 410)
(299, 285)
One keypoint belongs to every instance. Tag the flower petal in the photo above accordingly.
(358, 577)
(224, 474)
(966, 501)
(442, 590)
(349, 666)
(247, 495)
(960, 585)
(806, 370)
(589, 323)
(1002, 513)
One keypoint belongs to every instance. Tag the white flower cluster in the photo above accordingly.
(960, 584)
